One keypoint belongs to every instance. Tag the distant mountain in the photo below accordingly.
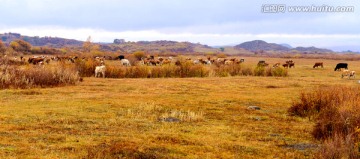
(160, 46)
(311, 49)
(119, 44)
(155, 46)
(40, 41)
(257, 45)
(287, 45)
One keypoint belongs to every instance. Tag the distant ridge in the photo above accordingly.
(287, 45)
(258, 45)
(156, 46)
(311, 49)
(261, 45)
(40, 41)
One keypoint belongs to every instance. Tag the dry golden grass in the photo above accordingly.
(115, 118)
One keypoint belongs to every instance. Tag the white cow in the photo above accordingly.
(100, 69)
(125, 62)
(348, 73)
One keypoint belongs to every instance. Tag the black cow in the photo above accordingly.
(341, 65)
(121, 57)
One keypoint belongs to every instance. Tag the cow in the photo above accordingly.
(318, 64)
(339, 66)
(289, 61)
(178, 63)
(292, 65)
(262, 63)
(35, 60)
(276, 65)
(121, 57)
(286, 65)
(125, 62)
(348, 74)
(100, 69)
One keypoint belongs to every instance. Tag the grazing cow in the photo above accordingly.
(339, 66)
(166, 61)
(125, 62)
(35, 60)
(177, 63)
(289, 64)
(318, 64)
(348, 74)
(286, 65)
(262, 63)
(196, 62)
(276, 65)
(229, 62)
(100, 69)
(121, 57)
(292, 65)
(289, 61)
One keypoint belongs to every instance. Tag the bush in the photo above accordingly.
(86, 68)
(139, 55)
(279, 72)
(37, 76)
(20, 46)
(259, 71)
(221, 55)
(336, 111)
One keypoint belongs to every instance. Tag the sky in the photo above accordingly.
(211, 22)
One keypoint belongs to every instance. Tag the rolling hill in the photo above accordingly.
(258, 45)
(160, 46)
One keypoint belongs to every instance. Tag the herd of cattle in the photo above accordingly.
(158, 61)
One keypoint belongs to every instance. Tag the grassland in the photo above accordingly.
(114, 118)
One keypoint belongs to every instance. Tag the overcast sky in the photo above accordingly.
(212, 22)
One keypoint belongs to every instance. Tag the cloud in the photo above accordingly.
(213, 22)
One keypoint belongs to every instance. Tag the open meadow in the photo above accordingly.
(167, 117)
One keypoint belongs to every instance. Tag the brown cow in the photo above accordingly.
(35, 60)
(318, 64)
(292, 65)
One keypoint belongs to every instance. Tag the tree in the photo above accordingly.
(87, 45)
(139, 54)
(20, 46)
(90, 47)
(2, 47)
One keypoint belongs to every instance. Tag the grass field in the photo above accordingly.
(114, 118)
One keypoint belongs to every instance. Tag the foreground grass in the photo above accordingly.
(112, 118)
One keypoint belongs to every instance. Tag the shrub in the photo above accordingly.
(2, 47)
(115, 72)
(259, 71)
(86, 68)
(20, 46)
(137, 72)
(279, 72)
(221, 55)
(139, 55)
(220, 71)
(246, 71)
(230, 70)
(37, 76)
(336, 111)
(338, 147)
